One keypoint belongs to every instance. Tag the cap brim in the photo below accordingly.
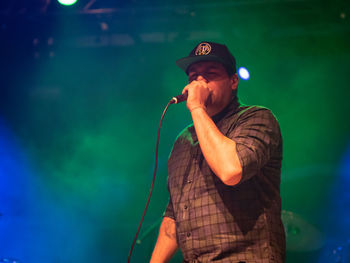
(184, 63)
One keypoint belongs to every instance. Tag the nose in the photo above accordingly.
(201, 77)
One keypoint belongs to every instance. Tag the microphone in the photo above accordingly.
(179, 98)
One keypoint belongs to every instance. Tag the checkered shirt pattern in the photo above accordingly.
(220, 223)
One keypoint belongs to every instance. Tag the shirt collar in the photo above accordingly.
(231, 107)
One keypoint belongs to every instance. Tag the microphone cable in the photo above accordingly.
(174, 100)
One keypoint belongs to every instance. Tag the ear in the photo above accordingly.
(234, 81)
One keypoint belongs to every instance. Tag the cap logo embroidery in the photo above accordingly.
(203, 49)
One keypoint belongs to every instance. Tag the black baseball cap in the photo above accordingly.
(209, 51)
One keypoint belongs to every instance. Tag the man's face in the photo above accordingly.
(219, 82)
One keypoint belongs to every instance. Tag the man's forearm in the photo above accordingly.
(218, 150)
(166, 244)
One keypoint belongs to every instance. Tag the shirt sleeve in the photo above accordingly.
(257, 136)
(169, 211)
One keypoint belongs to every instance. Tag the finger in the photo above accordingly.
(199, 84)
(189, 86)
(185, 89)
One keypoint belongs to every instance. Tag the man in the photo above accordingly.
(224, 172)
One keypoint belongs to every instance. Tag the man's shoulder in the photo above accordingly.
(186, 134)
(251, 108)
(183, 140)
(254, 111)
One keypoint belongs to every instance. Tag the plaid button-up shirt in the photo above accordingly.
(216, 222)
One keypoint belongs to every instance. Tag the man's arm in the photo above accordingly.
(218, 150)
(166, 245)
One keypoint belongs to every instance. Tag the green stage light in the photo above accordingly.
(67, 2)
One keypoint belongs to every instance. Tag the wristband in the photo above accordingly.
(198, 107)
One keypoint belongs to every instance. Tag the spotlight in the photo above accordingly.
(67, 2)
(243, 73)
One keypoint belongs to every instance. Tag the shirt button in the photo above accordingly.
(188, 234)
(185, 206)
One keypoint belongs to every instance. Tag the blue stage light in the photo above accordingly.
(67, 2)
(243, 73)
